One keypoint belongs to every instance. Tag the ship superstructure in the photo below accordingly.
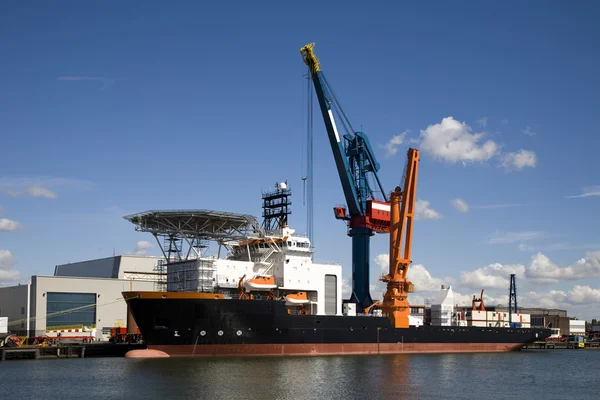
(251, 261)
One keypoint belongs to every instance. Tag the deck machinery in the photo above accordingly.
(368, 209)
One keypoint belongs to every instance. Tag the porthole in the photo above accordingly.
(220, 333)
(239, 333)
(202, 333)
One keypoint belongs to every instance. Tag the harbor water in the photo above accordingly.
(534, 374)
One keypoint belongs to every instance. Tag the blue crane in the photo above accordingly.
(368, 207)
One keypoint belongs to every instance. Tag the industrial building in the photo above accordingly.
(82, 294)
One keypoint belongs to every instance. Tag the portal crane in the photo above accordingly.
(478, 303)
(357, 169)
(395, 300)
(512, 299)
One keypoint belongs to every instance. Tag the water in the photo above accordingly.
(544, 374)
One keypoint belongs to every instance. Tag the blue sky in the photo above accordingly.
(112, 109)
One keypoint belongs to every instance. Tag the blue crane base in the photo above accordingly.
(361, 241)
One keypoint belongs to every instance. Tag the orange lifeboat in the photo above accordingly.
(260, 283)
(295, 299)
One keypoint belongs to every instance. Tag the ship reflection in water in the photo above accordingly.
(533, 374)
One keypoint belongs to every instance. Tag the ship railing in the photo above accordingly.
(327, 262)
(371, 315)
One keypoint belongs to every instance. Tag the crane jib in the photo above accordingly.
(335, 130)
(356, 166)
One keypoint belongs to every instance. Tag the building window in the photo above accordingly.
(22, 310)
(70, 309)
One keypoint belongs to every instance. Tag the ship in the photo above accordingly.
(266, 295)
(263, 295)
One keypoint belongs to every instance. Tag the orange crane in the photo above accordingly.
(481, 305)
(395, 300)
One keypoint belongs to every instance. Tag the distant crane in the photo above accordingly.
(481, 305)
(512, 298)
(368, 208)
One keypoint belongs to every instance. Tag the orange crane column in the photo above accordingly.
(395, 301)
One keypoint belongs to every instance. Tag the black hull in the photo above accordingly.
(187, 326)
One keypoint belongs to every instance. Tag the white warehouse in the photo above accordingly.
(85, 293)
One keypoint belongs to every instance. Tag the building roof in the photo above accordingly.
(196, 224)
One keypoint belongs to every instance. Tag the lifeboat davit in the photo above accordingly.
(260, 283)
(295, 299)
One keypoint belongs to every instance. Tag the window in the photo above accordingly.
(70, 309)
(22, 310)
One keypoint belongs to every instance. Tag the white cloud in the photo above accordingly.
(383, 260)
(33, 191)
(40, 191)
(460, 205)
(580, 300)
(40, 186)
(466, 299)
(524, 247)
(527, 131)
(391, 147)
(141, 248)
(493, 276)
(417, 274)
(377, 290)
(452, 141)
(578, 295)
(590, 191)
(422, 279)
(542, 269)
(583, 295)
(512, 237)
(519, 160)
(7, 273)
(9, 225)
(346, 288)
(6, 259)
(424, 212)
(483, 121)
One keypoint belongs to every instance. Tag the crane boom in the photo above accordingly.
(395, 300)
(356, 163)
(335, 141)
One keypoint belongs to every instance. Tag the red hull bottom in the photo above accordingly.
(331, 349)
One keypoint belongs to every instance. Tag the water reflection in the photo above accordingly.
(404, 377)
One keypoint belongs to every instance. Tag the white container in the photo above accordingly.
(349, 309)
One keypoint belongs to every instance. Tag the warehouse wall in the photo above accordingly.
(101, 268)
(136, 264)
(554, 321)
(14, 305)
(111, 309)
(110, 267)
